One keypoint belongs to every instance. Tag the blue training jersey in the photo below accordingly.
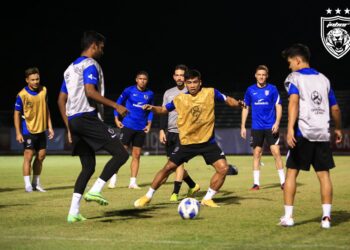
(133, 99)
(262, 102)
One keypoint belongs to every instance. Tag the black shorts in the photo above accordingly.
(90, 134)
(305, 153)
(259, 136)
(211, 152)
(35, 141)
(172, 142)
(134, 137)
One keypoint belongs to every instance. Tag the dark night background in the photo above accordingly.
(225, 40)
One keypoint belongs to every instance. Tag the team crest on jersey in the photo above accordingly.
(335, 32)
(145, 96)
(316, 97)
(29, 105)
(267, 92)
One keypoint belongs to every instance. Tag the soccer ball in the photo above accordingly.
(188, 208)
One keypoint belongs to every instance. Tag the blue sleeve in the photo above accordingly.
(64, 87)
(123, 97)
(170, 106)
(293, 89)
(19, 104)
(276, 97)
(247, 98)
(332, 99)
(150, 115)
(218, 96)
(90, 75)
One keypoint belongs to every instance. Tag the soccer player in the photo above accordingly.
(196, 130)
(31, 120)
(169, 133)
(84, 83)
(311, 100)
(265, 102)
(136, 124)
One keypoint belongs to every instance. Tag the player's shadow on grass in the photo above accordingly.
(338, 217)
(13, 205)
(277, 185)
(59, 188)
(126, 214)
(9, 189)
(227, 198)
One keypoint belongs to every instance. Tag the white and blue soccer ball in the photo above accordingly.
(189, 208)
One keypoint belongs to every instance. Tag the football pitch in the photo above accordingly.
(246, 219)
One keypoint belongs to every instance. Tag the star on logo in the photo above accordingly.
(347, 11)
(337, 11)
(329, 11)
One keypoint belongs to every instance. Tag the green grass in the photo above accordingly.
(245, 220)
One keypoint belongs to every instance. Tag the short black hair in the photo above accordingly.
(182, 67)
(297, 49)
(142, 72)
(31, 71)
(90, 37)
(192, 73)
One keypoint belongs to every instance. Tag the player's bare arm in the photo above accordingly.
(17, 122)
(293, 110)
(49, 122)
(232, 102)
(245, 113)
(276, 126)
(61, 102)
(336, 115)
(160, 110)
(92, 93)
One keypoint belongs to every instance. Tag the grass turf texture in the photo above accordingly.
(246, 219)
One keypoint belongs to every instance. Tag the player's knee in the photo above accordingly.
(170, 167)
(222, 169)
(136, 155)
(41, 158)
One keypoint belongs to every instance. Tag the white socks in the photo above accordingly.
(288, 211)
(113, 180)
(256, 175)
(74, 206)
(326, 210)
(281, 175)
(150, 193)
(209, 195)
(27, 181)
(98, 185)
(132, 181)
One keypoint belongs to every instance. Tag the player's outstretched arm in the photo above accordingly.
(160, 110)
(92, 93)
(232, 102)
